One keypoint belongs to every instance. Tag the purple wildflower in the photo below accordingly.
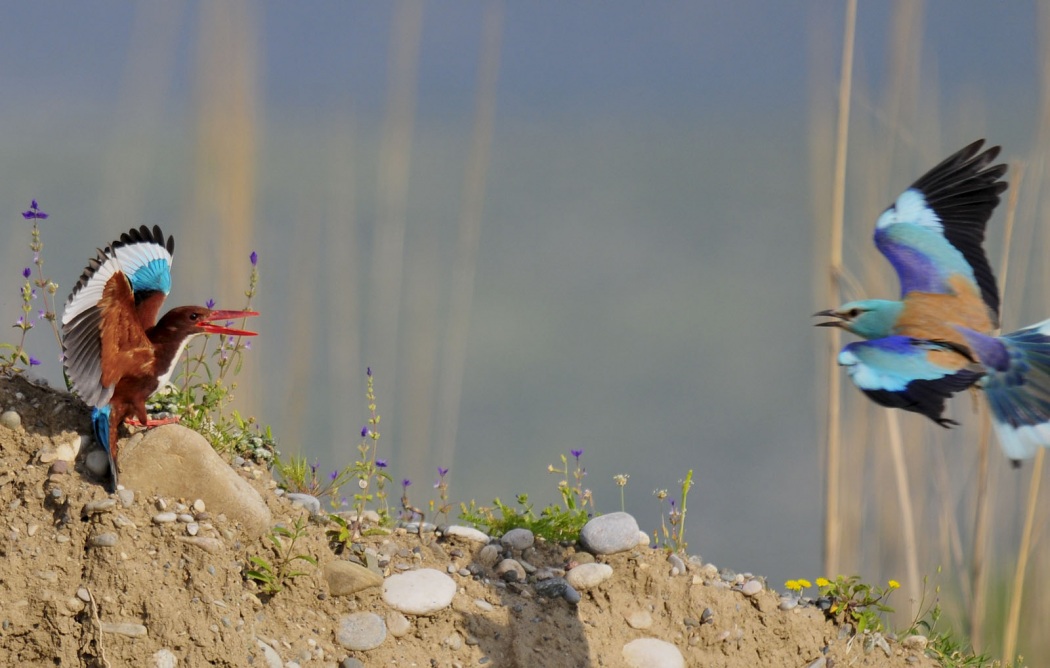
(313, 469)
(247, 344)
(210, 304)
(442, 472)
(254, 257)
(364, 432)
(406, 483)
(380, 463)
(576, 453)
(33, 361)
(27, 272)
(333, 475)
(34, 212)
(369, 372)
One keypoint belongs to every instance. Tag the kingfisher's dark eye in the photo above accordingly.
(853, 312)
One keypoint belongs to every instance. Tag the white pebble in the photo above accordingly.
(467, 533)
(419, 592)
(751, 588)
(652, 653)
(164, 518)
(588, 576)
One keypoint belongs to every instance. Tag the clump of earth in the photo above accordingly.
(154, 575)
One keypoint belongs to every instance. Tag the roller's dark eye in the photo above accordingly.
(854, 312)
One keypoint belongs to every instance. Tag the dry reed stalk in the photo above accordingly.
(395, 153)
(454, 356)
(900, 471)
(223, 214)
(979, 552)
(832, 521)
(1013, 619)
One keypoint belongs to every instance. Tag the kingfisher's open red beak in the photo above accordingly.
(211, 328)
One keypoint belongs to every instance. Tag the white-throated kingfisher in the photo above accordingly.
(116, 352)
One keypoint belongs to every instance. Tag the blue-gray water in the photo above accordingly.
(645, 270)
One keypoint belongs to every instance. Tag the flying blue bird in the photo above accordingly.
(116, 352)
(938, 339)
(933, 235)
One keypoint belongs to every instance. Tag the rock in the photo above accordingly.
(419, 592)
(270, 655)
(124, 629)
(165, 518)
(751, 588)
(652, 653)
(97, 462)
(676, 563)
(10, 419)
(199, 506)
(175, 462)
(68, 451)
(788, 602)
(163, 658)
(351, 662)
(643, 539)
(126, 496)
(588, 576)
(59, 468)
(488, 556)
(397, 624)
(639, 619)
(510, 570)
(518, 539)
(467, 533)
(552, 587)
(609, 534)
(345, 578)
(306, 501)
(104, 540)
(915, 643)
(361, 631)
(206, 543)
(99, 506)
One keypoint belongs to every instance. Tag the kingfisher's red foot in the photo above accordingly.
(134, 422)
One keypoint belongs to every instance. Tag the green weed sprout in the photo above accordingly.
(674, 538)
(855, 602)
(275, 576)
(14, 358)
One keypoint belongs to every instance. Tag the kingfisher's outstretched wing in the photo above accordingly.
(112, 305)
(933, 236)
(913, 374)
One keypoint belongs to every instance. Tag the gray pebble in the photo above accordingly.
(676, 562)
(192, 528)
(518, 539)
(788, 602)
(84, 595)
(126, 496)
(351, 662)
(609, 534)
(510, 571)
(11, 419)
(185, 518)
(361, 631)
(163, 658)
(124, 629)
(97, 462)
(104, 540)
(751, 588)
(270, 655)
(588, 576)
(59, 467)
(311, 503)
(99, 506)
(488, 556)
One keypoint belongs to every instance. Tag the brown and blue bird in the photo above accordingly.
(116, 352)
(939, 337)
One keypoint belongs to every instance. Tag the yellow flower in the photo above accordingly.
(791, 585)
(805, 583)
(894, 584)
(823, 582)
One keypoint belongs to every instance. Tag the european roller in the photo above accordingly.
(938, 338)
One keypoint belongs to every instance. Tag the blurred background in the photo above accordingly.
(551, 227)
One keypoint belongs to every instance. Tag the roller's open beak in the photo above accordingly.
(830, 313)
(226, 316)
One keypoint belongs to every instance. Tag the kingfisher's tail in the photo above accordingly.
(100, 424)
(1017, 385)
